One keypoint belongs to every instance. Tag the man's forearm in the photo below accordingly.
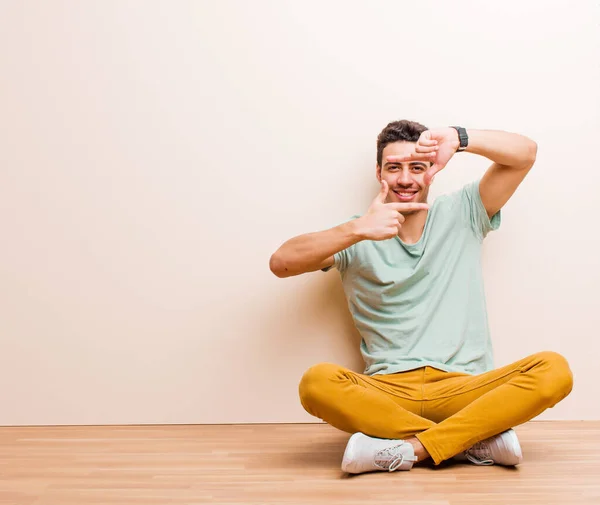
(508, 149)
(306, 252)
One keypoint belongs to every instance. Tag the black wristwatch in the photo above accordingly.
(463, 137)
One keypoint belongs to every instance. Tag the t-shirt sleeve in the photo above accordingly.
(475, 212)
(341, 260)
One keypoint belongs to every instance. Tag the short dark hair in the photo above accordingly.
(398, 131)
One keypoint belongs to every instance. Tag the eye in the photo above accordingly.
(392, 167)
(418, 169)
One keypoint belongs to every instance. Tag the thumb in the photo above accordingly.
(430, 174)
(384, 191)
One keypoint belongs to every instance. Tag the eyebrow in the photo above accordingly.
(413, 163)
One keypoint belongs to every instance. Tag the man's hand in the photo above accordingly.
(384, 220)
(436, 146)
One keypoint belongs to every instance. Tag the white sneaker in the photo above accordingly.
(503, 449)
(368, 454)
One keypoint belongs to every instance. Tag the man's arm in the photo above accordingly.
(314, 251)
(513, 156)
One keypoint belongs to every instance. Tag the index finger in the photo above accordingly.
(404, 206)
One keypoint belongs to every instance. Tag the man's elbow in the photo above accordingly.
(277, 266)
(530, 154)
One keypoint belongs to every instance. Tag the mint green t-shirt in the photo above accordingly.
(423, 304)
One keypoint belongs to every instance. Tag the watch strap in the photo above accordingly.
(462, 137)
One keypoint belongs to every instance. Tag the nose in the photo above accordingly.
(404, 177)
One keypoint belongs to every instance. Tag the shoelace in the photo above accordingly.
(391, 458)
(479, 454)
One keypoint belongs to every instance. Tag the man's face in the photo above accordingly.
(406, 179)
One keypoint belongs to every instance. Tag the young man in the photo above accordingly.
(412, 276)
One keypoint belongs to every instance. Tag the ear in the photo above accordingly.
(378, 172)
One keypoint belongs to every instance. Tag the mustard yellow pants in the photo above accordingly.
(448, 412)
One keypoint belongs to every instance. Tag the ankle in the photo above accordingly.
(420, 451)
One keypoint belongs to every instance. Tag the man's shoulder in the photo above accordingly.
(454, 199)
(445, 203)
(456, 193)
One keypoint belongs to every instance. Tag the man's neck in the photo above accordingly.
(413, 226)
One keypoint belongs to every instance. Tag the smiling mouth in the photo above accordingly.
(405, 195)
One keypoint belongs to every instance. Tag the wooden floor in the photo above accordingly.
(283, 464)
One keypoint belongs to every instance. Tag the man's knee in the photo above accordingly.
(558, 379)
(314, 383)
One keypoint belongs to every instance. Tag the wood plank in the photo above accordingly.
(276, 464)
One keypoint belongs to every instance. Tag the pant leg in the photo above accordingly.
(353, 402)
(474, 408)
